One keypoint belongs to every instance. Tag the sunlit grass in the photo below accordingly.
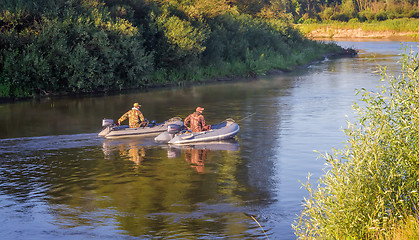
(404, 25)
(370, 187)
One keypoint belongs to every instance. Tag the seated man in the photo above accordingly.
(196, 121)
(136, 118)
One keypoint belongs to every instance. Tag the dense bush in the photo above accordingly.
(80, 50)
(82, 46)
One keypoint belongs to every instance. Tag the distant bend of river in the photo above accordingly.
(59, 180)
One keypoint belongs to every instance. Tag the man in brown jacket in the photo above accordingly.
(136, 118)
(196, 121)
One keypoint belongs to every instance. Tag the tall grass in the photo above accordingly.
(371, 185)
(407, 229)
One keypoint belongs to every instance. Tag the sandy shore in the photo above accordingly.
(336, 33)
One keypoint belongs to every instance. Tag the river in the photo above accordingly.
(59, 180)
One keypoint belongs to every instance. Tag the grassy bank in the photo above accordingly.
(370, 187)
(254, 64)
(405, 27)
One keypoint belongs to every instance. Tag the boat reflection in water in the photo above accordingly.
(134, 149)
(196, 154)
(222, 145)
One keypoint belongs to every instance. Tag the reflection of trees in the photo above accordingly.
(163, 197)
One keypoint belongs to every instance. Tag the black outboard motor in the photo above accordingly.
(173, 128)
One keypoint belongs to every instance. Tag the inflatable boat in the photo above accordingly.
(114, 131)
(221, 131)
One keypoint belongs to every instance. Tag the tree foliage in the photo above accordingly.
(82, 46)
(78, 49)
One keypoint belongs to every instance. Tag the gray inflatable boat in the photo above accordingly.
(113, 131)
(221, 131)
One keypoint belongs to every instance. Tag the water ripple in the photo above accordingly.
(13, 145)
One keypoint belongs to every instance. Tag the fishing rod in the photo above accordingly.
(246, 117)
(232, 120)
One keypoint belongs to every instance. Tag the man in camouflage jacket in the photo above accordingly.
(136, 118)
(196, 121)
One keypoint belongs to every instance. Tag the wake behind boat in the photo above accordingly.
(221, 131)
(113, 131)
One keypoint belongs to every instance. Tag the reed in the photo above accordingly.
(371, 185)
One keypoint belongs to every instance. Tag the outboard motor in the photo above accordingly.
(107, 125)
(173, 128)
(107, 122)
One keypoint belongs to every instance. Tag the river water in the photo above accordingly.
(58, 180)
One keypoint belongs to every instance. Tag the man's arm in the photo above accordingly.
(187, 122)
(123, 117)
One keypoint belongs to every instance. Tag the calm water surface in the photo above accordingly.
(58, 180)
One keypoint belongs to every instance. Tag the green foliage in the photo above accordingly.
(34, 6)
(75, 54)
(371, 184)
(83, 46)
(182, 35)
(406, 229)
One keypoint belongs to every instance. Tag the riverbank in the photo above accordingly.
(406, 29)
(92, 48)
(259, 69)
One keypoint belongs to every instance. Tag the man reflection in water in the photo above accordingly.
(196, 157)
(196, 121)
(134, 153)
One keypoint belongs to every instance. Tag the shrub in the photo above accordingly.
(327, 13)
(82, 51)
(381, 16)
(413, 14)
(371, 184)
(343, 17)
